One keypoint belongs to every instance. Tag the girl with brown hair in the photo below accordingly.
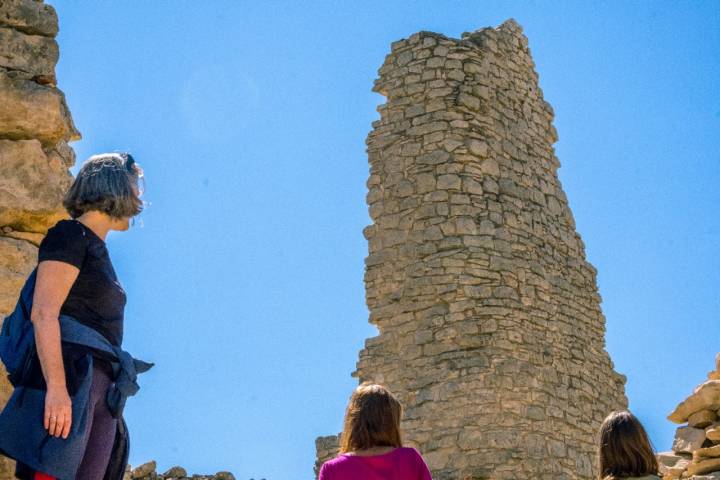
(625, 451)
(371, 444)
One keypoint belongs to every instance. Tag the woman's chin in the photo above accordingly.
(122, 225)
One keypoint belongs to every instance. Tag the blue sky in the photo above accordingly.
(245, 279)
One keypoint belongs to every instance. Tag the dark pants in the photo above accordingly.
(101, 427)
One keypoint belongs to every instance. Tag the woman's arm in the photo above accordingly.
(52, 285)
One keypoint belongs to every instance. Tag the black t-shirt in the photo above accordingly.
(96, 299)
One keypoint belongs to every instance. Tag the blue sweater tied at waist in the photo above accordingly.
(22, 434)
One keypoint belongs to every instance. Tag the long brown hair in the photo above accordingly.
(372, 419)
(624, 450)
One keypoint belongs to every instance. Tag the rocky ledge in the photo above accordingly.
(148, 471)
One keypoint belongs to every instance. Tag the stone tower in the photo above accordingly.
(489, 319)
(35, 127)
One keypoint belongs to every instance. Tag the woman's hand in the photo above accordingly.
(58, 411)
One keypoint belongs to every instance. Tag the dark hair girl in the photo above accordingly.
(625, 450)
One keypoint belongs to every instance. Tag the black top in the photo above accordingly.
(96, 299)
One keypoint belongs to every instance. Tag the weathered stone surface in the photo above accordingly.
(29, 16)
(62, 152)
(17, 259)
(224, 476)
(144, 470)
(700, 411)
(327, 447)
(147, 471)
(713, 451)
(672, 464)
(688, 439)
(35, 127)
(175, 472)
(710, 476)
(33, 238)
(715, 374)
(490, 327)
(33, 54)
(704, 466)
(31, 186)
(713, 434)
(33, 111)
(702, 419)
(705, 397)
(671, 459)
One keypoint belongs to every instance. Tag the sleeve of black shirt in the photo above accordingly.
(65, 242)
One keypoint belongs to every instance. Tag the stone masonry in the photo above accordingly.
(35, 128)
(489, 319)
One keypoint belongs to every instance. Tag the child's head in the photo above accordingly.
(625, 449)
(372, 419)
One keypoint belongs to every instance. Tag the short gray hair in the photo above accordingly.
(110, 183)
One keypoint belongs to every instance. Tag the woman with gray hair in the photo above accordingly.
(76, 371)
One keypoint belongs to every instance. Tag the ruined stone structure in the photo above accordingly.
(695, 451)
(35, 128)
(489, 319)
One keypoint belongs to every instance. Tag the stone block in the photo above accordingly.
(17, 259)
(29, 16)
(175, 472)
(434, 158)
(477, 147)
(702, 419)
(705, 397)
(704, 466)
(34, 111)
(469, 101)
(33, 54)
(490, 167)
(144, 470)
(710, 452)
(713, 433)
(688, 439)
(32, 186)
(448, 182)
(7, 468)
(673, 464)
(34, 238)
(715, 374)
(224, 476)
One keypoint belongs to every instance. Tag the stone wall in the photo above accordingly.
(489, 319)
(35, 128)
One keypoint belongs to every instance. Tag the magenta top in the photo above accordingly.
(400, 464)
